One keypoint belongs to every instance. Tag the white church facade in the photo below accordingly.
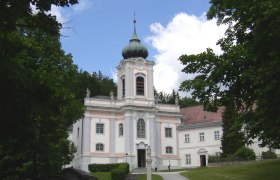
(120, 127)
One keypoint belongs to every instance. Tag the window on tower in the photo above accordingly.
(141, 128)
(140, 86)
(123, 86)
(121, 129)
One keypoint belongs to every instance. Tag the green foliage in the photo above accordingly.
(269, 155)
(118, 174)
(245, 153)
(144, 177)
(97, 83)
(102, 167)
(247, 72)
(118, 170)
(102, 175)
(37, 103)
(125, 167)
(214, 158)
(233, 138)
(166, 98)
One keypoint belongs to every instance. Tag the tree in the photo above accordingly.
(37, 101)
(95, 82)
(233, 137)
(37, 108)
(247, 72)
(166, 98)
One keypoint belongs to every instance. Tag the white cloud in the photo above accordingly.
(82, 5)
(63, 14)
(185, 34)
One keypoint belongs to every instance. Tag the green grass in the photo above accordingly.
(268, 170)
(144, 177)
(102, 175)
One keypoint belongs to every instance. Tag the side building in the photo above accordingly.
(200, 136)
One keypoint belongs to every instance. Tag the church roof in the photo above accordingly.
(196, 115)
(135, 48)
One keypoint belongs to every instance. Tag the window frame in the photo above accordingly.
(201, 136)
(217, 135)
(123, 86)
(168, 134)
(187, 138)
(140, 85)
(169, 150)
(99, 130)
(99, 147)
(188, 159)
(141, 128)
(121, 129)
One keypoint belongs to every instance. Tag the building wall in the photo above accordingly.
(211, 145)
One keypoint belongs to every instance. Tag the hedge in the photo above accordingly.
(269, 155)
(245, 153)
(102, 167)
(118, 170)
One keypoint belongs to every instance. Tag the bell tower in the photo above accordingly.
(135, 72)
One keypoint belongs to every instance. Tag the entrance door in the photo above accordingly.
(202, 160)
(141, 158)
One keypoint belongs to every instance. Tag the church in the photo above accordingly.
(119, 128)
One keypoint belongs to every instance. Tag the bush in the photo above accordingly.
(124, 166)
(245, 153)
(269, 155)
(102, 167)
(118, 170)
(214, 158)
(118, 174)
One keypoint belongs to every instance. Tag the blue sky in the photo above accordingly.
(96, 31)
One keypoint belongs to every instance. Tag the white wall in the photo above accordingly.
(100, 138)
(211, 145)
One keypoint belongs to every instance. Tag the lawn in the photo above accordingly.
(102, 175)
(268, 170)
(144, 177)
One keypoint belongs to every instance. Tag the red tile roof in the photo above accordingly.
(196, 115)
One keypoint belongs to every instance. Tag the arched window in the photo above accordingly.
(141, 128)
(123, 87)
(121, 129)
(140, 86)
(169, 150)
(99, 147)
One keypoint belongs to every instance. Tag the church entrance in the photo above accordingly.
(202, 160)
(141, 153)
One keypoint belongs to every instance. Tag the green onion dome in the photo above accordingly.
(135, 48)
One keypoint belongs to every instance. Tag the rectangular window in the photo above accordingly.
(169, 150)
(201, 136)
(218, 154)
(99, 147)
(168, 132)
(99, 128)
(217, 135)
(188, 159)
(187, 138)
(120, 129)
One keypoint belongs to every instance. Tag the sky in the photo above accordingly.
(96, 31)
